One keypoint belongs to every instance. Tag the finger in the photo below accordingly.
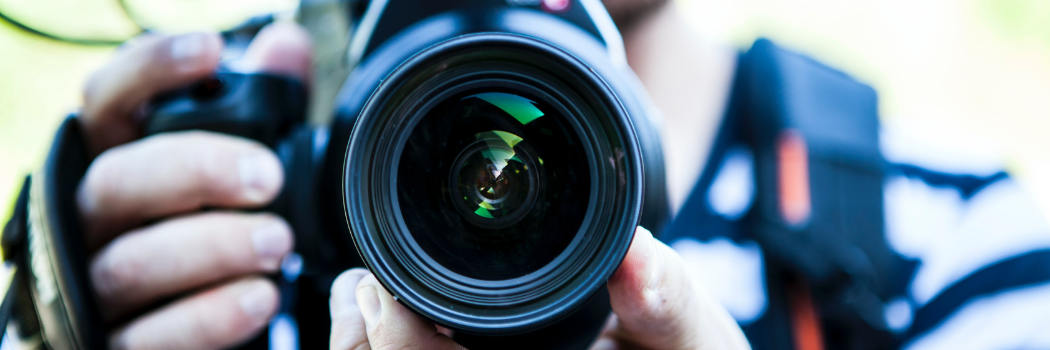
(282, 48)
(387, 324)
(152, 64)
(174, 173)
(218, 318)
(607, 338)
(138, 72)
(185, 253)
(391, 325)
(658, 306)
(348, 326)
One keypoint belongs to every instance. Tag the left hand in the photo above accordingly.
(166, 273)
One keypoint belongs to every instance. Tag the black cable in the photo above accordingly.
(78, 41)
(132, 16)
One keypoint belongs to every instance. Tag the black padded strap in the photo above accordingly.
(7, 308)
(15, 230)
(12, 243)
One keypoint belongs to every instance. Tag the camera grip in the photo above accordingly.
(257, 106)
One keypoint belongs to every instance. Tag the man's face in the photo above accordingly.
(626, 11)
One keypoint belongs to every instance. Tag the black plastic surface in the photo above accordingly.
(260, 107)
(57, 256)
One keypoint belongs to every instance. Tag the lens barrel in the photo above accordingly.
(493, 183)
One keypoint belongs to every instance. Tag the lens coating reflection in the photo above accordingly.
(493, 184)
(495, 181)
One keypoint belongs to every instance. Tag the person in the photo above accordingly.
(141, 202)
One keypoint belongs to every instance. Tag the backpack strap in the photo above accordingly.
(811, 123)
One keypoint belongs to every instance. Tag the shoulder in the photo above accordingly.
(982, 242)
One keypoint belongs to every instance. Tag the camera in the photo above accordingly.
(488, 161)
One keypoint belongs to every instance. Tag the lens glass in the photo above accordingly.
(493, 183)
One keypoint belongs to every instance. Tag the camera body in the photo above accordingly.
(432, 173)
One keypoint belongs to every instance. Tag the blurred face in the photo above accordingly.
(626, 11)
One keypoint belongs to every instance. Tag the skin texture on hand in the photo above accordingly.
(656, 305)
(141, 201)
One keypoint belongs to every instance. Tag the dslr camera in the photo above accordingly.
(487, 160)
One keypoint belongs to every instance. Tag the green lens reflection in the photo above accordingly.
(472, 188)
(522, 109)
(493, 177)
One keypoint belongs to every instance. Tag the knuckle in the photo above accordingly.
(208, 172)
(91, 89)
(211, 336)
(103, 179)
(103, 78)
(117, 271)
(391, 338)
(225, 245)
(222, 331)
(210, 158)
(203, 157)
(391, 346)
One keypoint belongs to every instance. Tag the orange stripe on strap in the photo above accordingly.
(805, 324)
(793, 177)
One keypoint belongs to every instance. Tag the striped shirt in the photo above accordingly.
(982, 246)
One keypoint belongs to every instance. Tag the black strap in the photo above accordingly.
(14, 231)
(12, 240)
(1024, 270)
(10, 298)
(968, 185)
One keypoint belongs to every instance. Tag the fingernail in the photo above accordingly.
(187, 49)
(652, 262)
(604, 344)
(368, 302)
(271, 241)
(261, 176)
(344, 294)
(257, 302)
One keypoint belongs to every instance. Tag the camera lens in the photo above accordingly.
(494, 179)
(491, 183)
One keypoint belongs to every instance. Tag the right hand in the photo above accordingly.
(168, 276)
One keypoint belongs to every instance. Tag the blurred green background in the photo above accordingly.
(972, 73)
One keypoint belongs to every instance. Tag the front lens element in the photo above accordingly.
(492, 184)
(497, 183)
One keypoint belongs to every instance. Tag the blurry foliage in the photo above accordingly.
(1020, 19)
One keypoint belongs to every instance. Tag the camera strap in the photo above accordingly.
(51, 296)
(11, 244)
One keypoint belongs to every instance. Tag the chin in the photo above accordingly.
(627, 11)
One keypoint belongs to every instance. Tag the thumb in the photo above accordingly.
(657, 305)
(367, 317)
(348, 327)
